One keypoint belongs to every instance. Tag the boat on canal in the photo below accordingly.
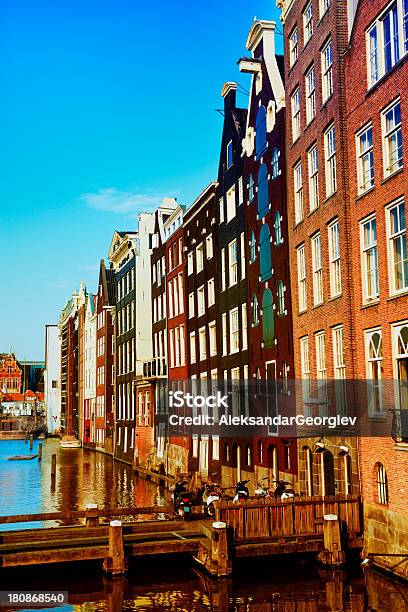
(70, 442)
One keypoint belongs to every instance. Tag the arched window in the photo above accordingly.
(281, 298)
(268, 327)
(328, 483)
(272, 459)
(275, 163)
(260, 131)
(265, 253)
(278, 228)
(255, 316)
(252, 248)
(263, 196)
(382, 484)
(251, 188)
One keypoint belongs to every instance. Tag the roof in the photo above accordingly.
(20, 397)
(123, 234)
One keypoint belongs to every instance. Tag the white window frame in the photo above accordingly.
(333, 231)
(398, 237)
(212, 334)
(234, 330)
(388, 136)
(200, 257)
(298, 187)
(310, 89)
(369, 259)
(193, 356)
(307, 23)
(293, 46)
(231, 204)
(374, 365)
(202, 343)
(327, 70)
(313, 171)
(330, 160)
(295, 108)
(364, 154)
(302, 280)
(317, 269)
(201, 301)
(211, 292)
(232, 263)
(209, 247)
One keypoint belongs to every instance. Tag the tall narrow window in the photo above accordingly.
(278, 228)
(369, 256)
(211, 292)
(390, 35)
(317, 270)
(321, 372)
(192, 348)
(298, 185)
(310, 94)
(255, 317)
(313, 178)
(252, 248)
(323, 7)
(243, 259)
(265, 255)
(260, 131)
(200, 257)
(223, 279)
(234, 330)
(398, 247)
(275, 162)
(392, 139)
(251, 188)
(374, 356)
(334, 258)
(382, 484)
(221, 209)
(230, 155)
(302, 289)
(263, 195)
(295, 106)
(293, 46)
(231, 204)
(224, 333)
(330, 161)
(339, 368)
(244, 327)
(305, 367)
(233, 263)
(268, 328)
(327, 71)
(365, 159)
(307, 23)
(281, 298)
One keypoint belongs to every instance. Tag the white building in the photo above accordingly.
(52, 378)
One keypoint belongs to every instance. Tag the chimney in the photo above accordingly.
(229, 93)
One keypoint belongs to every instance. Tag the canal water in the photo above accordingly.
(172, 584)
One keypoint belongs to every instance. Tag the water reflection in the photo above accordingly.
(82, 477)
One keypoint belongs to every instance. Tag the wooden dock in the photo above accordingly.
(325, 526)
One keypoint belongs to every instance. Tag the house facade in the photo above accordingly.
(10, 374)
(89, 365)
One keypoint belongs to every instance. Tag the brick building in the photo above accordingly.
(89, 369)
(10, 374)
(200, 243)
(376, 76)
(315, 39)
(267, 243)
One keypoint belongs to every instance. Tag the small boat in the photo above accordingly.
(21, 457)
(70, 442)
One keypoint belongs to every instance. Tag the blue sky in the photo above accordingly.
(106, 108)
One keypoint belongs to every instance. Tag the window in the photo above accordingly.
(224, 333)
(212, 332)
(233, 263)
(281, 298)
(260, 131)
(268, 327)
(304, 362)
(223, 279)
(330, 161)
(321, 373)
(243, 261)
(317, 270)
(313, 178)
(221, 209)
(209, 246)
(211, 292)
(252, 248)
(255, 316)
(192, 347)
(244, 327)
(234, 330)
(295, 106)
(339, 368)
(369, 256)
(310, 95)
(293, 46)
(200, 257)
(200, 301)
(240, 191)
(230, 155)
(275, 163)
(392, 139)
(265, 253)
(365, 159)
(216, 448)
(231, 205)
(190, 305)
(298, 184)
(400, 353)
(263, 195)
(307, 23)
(374, 357)
(202, 343)
(327, 71)
(323, 7)
(382, 484)
(251, 188)
(190, 265)
(398, 247)
(278, 228)
(334, 259)
(302, 289)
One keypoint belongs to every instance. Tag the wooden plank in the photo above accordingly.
(78, 514)
(163, 548)
(54, 556)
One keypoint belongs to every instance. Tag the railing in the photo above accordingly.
(399, 430)
(155, 368)
(268, 519)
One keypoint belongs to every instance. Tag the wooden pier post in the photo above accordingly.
(31, 442)
(40, 452)
(92, 521)
(332, 554)
(115, 564)
(53, 470)
(219, 549)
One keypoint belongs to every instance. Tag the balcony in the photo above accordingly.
(400, 425)
(155, 368)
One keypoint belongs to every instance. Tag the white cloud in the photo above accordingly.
(123, 202)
